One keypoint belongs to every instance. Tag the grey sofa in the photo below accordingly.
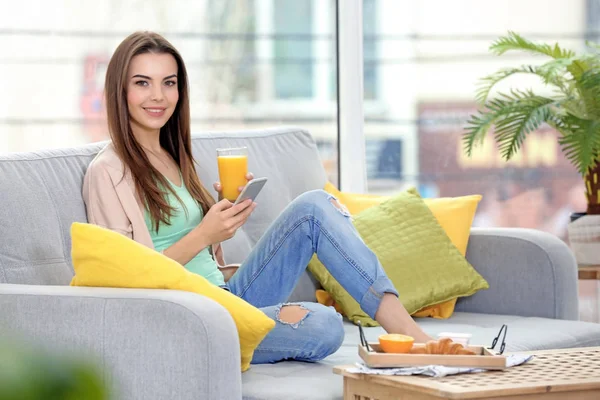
(158, 344)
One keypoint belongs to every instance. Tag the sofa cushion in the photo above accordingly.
(415, 252)
(41, 197)
(454, 214)
(104, 258)
(295, 380)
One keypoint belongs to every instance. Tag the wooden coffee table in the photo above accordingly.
(552, 374)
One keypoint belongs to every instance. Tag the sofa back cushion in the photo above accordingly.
(41, 198)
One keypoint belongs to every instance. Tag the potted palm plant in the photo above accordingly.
(572, 107)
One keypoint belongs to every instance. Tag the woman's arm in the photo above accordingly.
(102, 203)
(192, 244)
(187, 247)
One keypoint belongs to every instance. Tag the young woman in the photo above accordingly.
(144, 185)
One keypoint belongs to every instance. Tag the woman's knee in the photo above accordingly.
(312, 197)
(322, 199)
(292, 314)
(327, 328)
(334, 330)
(304, 331)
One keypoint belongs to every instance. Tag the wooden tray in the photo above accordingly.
(483, 358)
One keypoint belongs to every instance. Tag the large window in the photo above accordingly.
(263, 63)
(252, 64)
(427, 58)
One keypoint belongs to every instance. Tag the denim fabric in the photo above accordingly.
(317, 335)
(313, 223)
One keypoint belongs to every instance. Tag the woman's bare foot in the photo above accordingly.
(421, 337)
(394, 318)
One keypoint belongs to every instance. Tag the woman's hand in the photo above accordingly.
(217, 185)
(224, 219)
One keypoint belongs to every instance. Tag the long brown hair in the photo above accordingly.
(175, 135)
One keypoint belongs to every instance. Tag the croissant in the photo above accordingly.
(442, 346)
(431, 347)
(455, 348)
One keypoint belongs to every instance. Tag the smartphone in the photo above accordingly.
(251, 190)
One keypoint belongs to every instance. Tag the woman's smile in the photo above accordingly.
(155, 112)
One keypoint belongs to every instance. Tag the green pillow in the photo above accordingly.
(415, 252)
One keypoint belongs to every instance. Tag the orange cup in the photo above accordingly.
(233, 167)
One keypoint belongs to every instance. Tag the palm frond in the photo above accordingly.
(550, 73)
(514, 116)
(591, 79)
(479, 125)
(514, 41)
(529, 111)
(587, 83)
(555, 72)
(476, 130)
(577, 68)
(572, 105)
(580, 141)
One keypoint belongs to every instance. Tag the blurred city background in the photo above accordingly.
(262, 63)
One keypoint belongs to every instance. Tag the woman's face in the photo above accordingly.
(152, 93)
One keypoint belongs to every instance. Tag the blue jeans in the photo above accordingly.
(313, 223)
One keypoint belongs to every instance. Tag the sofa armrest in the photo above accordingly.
(530, 272)
(160, 344)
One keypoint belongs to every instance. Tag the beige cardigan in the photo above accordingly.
(111, 200)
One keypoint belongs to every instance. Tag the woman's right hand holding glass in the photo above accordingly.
(223, 219)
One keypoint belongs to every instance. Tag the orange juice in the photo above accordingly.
(232, 174)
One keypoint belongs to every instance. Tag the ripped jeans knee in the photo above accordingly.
(314, 332)
(322, 200)
(292, 314)
(340, 207)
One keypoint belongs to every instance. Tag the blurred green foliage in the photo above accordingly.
(30, 373)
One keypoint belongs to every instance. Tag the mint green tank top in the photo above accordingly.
(181, 224)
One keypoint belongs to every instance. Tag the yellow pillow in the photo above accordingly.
(454, 214)
(102, 257)
(355, 202)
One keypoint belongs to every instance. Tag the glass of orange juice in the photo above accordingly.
(233, 167)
